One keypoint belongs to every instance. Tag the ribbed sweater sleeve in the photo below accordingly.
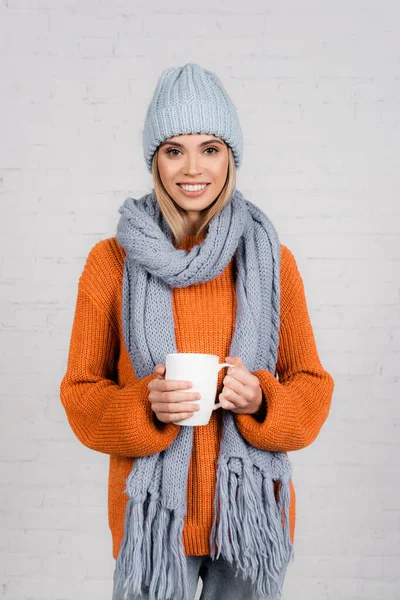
(298, 404)
(105, 416)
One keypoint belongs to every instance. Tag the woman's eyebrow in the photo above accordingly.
(212, 140)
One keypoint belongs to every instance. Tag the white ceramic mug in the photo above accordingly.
(202, 370)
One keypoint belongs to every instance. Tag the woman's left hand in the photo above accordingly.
(242, 392)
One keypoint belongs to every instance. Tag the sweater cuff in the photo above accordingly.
(144, 433)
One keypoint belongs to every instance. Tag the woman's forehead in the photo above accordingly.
(199, 136)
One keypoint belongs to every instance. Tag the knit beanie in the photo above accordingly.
(186, 100)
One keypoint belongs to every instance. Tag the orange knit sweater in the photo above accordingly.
(108, 408)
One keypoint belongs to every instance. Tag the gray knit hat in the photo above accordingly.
(190, 99)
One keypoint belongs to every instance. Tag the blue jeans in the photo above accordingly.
(219, 581)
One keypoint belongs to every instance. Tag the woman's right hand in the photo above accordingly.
(166, 397)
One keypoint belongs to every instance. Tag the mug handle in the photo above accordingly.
(218, 405)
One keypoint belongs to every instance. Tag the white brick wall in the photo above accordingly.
(317, 88)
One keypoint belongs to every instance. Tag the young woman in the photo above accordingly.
(195, 267)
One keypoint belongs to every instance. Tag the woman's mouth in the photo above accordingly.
(193, 191)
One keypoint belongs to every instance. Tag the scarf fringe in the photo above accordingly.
(151, 553)
(247, 530)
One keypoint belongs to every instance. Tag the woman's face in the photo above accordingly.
(190, 159)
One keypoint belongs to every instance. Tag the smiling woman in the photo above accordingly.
(195, 271)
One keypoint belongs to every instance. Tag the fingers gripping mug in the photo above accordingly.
(202, 370)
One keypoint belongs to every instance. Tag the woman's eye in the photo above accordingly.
(212, 148)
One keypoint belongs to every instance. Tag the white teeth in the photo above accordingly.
(192, 188)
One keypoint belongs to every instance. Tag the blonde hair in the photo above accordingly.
(176, 216)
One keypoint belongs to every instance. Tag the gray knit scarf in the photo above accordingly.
(247, 529)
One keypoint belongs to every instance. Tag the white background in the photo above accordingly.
(316, 85)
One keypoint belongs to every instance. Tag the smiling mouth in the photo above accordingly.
(192, 184)
(194, 193)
